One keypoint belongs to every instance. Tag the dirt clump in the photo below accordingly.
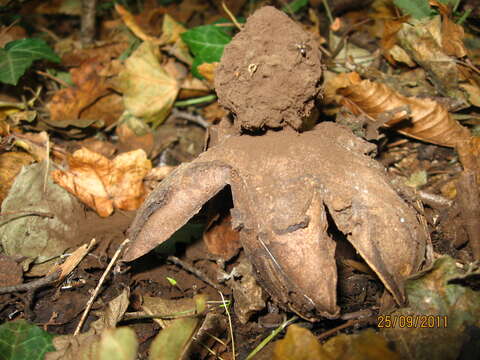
(270, 73)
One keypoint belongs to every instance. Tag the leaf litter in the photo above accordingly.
(286, 187)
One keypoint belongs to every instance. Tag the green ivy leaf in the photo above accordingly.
(418, 9)
(295, 6)
(17, 56)
(20, 340)
(206, 43)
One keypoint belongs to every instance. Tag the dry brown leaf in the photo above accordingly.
(131, 23)
(11, 33)
(207, 70)
(473, 92)
(10, 165)
(101, 183)
(452, 38)
(128, 140)
(36, 144)
(422, 119)
(428, 120)
(88, 100)
(221, 239)
(389, 37)
(104, 148)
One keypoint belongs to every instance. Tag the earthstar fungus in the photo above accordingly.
(286, 185)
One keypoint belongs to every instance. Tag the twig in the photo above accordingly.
(143, 315)
(25, 213)
(99, 285)
(195, 101)
(230, 327)
(28, 213)
(337, 329)
(54, 78)
(88, 20)
(328, 11)
(32, 285)
(231, 16)
(468, 198)
(197, 119)
(271, 336)
(193, 270)
(434, 200)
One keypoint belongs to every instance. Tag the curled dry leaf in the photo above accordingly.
(281, 198)
(101, 183)
(422, 119)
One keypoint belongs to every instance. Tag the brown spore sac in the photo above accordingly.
(269, 75)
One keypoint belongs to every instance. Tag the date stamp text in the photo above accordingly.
(412, 321)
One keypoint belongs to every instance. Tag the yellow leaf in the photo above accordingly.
(148, 90)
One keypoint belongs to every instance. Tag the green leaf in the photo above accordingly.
(118, 344)
(206, 43)
(173, 342)
(17, 56)
(20, 340)
(418, 9)
(295, 6)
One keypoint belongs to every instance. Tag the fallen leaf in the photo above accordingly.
(452, 38)
(221, 239)
(117, 344)
(10, 165)
(101, 183)
(473, 92)
(299, 344)
(148, 90)
(366, 345)
(87, 345)
(87, 100)
(34, 143)
(422, 40)
(21, 340)
(104, 148)
(173, 341)
(43, 219)
(207, 70)
(428, 120)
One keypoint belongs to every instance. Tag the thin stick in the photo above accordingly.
(100, 283)
(333, 331)
(328, 11)
(197, 119)
(47, 165)
(270, 337)
(193, 270)
(231, 16)
(32, 285)
(195, 101)
(229, 325)
(54, 78)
